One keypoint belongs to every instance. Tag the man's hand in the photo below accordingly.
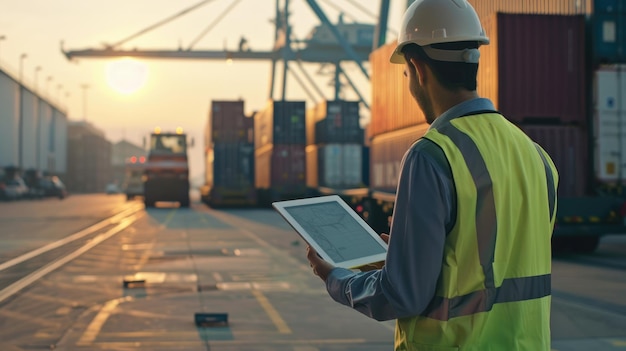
(385, 237)
(320, 267)
(376, 265)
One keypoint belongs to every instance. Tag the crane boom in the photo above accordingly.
(173, 54)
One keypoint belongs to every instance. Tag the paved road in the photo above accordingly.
(246, 264)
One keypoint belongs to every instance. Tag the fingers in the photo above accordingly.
(385, 237)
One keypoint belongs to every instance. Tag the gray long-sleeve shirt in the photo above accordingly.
(424, 212)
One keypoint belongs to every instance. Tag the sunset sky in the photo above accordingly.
(170, 93)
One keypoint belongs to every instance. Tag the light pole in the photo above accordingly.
(22, 58)
(59, 87)
(37, 69)
(2, 37)
(48, 80)
(85, 87)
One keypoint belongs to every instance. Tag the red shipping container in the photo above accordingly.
(534, 67)
(228, 123)
(567, 146)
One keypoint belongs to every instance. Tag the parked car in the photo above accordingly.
(16, 188)
(112, 188)
(32, 178)
(52, 186)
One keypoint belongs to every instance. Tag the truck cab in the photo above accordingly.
(166, 172)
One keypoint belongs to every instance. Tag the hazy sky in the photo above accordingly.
(176, 92)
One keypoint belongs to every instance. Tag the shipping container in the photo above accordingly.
(227, 122)
(534, 68)
(9, 120)
(386, 153)
(334, 121)
(392, 106)
(233, 165)
(485, 8)
(610, 124)
(231, 175)
(280, 122)
(338, 166)
(281, 170)
(312, 168)
(568, 148)
(609, 31)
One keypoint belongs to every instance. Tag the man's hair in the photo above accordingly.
(452, 75)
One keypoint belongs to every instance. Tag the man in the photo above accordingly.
(469, 256)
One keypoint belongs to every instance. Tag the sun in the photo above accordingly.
(126, 76)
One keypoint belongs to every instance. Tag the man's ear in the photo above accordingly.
(420, 70)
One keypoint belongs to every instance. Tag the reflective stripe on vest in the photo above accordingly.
(512, 289)
(550, 177)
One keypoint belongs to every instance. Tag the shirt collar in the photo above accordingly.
(462, 109)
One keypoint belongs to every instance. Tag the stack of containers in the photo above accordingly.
(335, 146)
(610, 124)
(609, 31)
(396, 121)
(230, 155)
(534, 70)
(279, 142)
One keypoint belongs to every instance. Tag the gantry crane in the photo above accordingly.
(327, 44)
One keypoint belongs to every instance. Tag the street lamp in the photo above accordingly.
(37, 69)
(59, 87)
(2, 37)
(48, 80)
(22, 57)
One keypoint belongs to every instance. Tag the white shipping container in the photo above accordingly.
(9, 116)
(331, 165)
(610, 124)
(353, 164)
(340, 165)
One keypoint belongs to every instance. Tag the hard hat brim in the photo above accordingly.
(397, 56)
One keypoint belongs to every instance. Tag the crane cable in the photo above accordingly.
(181, 13)
(213, 24)
(359, 7)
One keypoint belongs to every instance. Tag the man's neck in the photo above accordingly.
(447, 100)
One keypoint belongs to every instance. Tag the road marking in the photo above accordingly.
(92, 331)
(40, 273)
(89, 230)
(227, 343)
(169, 218)
(217, 277)
(271, 312)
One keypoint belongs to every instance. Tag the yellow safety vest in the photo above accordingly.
(493, 292)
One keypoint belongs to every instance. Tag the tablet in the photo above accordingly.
(334, 230)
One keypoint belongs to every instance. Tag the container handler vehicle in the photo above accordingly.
(166, 172)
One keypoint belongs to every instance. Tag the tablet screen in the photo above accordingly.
(335, 230)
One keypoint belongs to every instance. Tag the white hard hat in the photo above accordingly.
(428, 22)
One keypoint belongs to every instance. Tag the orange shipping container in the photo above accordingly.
(393, 107)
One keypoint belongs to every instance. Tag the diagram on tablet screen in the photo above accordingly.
(335, 230)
